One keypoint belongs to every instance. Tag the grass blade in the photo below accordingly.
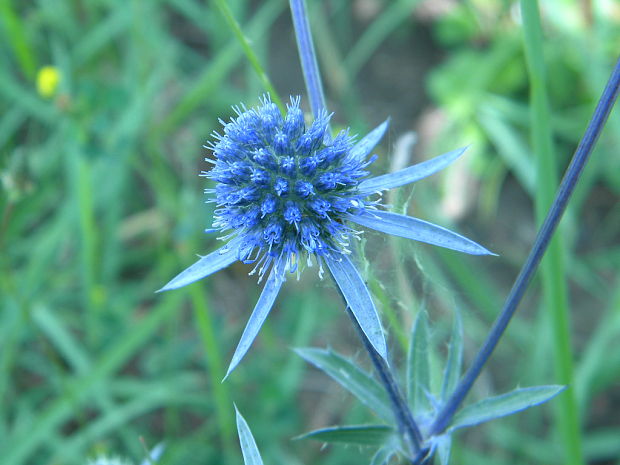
(222, 5)
(555, 293)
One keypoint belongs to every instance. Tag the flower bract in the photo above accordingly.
(287, 195)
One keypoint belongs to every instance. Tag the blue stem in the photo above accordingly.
(554, 215)
(404, 417)
(406, 423)
(307, 56)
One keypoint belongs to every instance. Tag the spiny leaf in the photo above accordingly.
(505, 404)
(452, 371)
(418, 372)
(358, 382)
(369, 435)
(383, 455)
(444, 446)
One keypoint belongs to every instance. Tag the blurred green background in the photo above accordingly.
(104, 107)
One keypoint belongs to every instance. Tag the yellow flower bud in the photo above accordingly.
(48, 79)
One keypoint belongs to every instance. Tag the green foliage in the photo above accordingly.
(424, 403)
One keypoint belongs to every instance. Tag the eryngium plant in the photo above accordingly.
(288, 196)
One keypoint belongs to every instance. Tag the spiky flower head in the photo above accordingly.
(284, 188)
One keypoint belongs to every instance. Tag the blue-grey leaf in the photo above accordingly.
(154, 454)
(251, 455)
(410, 174)
(505, 404)
(259, 314)
(369, 141)
(358, 298)
(452, 372)
(418, 230)
(383, 455)
(207, 265)
(355, 380)
(443, 445)
(366, 435)
(418, 371)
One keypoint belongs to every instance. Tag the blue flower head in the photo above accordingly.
(283, 189)
(287, 193)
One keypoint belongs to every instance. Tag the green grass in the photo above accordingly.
(555, 292)
(100, 205)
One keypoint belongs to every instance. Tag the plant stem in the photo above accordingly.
(309, 65)
(310, 68)
(404, 417)
(580, 158)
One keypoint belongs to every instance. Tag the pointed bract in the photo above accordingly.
(369, 141)
(259, 314)
(207, 265)
(283, 194)
(251, 455)
(410, 174)
(359, 300)
(418, 230)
